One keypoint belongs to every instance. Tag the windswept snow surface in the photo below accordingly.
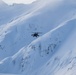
(43, 52)
(9, 74)
(41, 40)
(45, 16)
(9, 13)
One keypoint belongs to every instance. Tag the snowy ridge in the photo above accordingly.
(29, 23)
(40, 40)
(63, 61)
(13, 11)
(41, 49)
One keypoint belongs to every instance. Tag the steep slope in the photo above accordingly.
(9, 74)
(32, 60)
(11, 12)
(45, 38)
(2, 4)
(38, 20)
(63, 62)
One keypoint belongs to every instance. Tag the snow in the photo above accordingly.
(52, 52)
(9, 74)
(30, 22)
(40, 50)
(63, 59)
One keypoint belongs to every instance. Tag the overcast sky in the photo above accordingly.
(18, 1)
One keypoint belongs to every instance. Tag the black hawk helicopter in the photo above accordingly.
(36, 34)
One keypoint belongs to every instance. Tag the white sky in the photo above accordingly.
(10, 2)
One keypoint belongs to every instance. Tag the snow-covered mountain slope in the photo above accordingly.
(44, 38)
(9, 74)
(11, 12)
(63, 62)
(39, 20)
(34, 59)
(12, 19)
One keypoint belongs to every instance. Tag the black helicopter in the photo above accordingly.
(36, 34)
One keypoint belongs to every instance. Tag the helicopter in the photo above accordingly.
(36, 34)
